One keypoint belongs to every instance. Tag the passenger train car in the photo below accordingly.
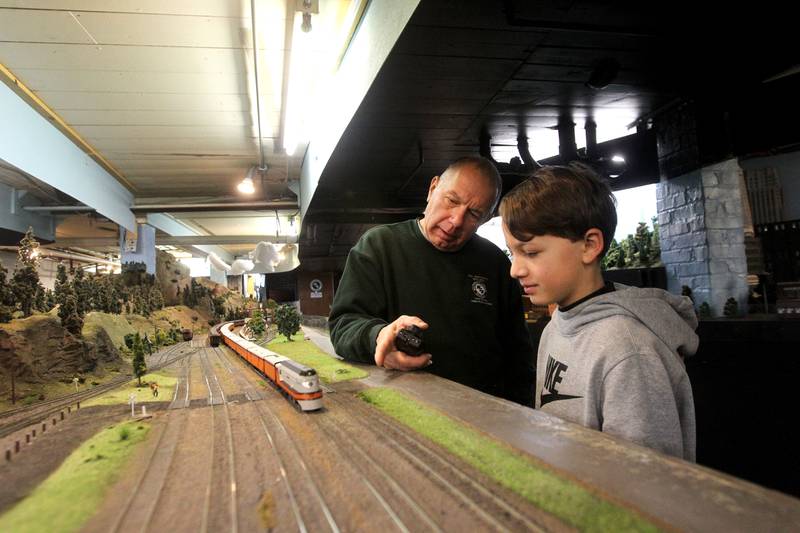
(297, 382)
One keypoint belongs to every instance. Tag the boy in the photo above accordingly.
(611, 357)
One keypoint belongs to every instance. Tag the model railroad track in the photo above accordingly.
(41, 411)
(293, 454)
(487, 505)
(286, 454)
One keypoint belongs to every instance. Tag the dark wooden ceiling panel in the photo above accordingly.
(462, 68)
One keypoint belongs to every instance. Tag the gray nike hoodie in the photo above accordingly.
(614, 363)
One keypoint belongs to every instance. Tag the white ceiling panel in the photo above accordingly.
(156, 118)
(211, 8)
(63, 101)
(133, 58)
(132, 82)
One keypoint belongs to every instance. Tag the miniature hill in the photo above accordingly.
(38, 350)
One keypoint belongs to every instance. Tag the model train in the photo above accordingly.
(297, 382)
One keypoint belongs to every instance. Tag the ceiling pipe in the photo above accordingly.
(45, 252)
(263, 165)
(173, 208)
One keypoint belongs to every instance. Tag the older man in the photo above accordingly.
(435, 273)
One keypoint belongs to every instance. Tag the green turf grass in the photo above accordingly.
(71, 495)
(166, 388)
(567, 500)
(329, 369)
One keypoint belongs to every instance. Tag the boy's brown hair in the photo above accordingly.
(563, 201)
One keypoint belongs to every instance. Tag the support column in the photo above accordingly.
(701, 227)
(144, 251)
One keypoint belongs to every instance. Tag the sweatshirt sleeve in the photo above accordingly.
(359, 306)
(638, 404)
(520, 358)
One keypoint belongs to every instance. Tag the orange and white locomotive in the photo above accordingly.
(296, 381)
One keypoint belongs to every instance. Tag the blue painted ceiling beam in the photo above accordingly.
(31, 143)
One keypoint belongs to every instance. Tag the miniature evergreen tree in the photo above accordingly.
(6, 297)
(731, 308)
(139, 366)
(257, 323)
(39, 301)
(26, 277)
(704, 311)
(622, 258)
(156, 298)
(71, 320)
(79, 288)
(62, 286)
(186, 298)
(288, 320)
(643, 240)
(50, 300)
(610, 259)
(655, 242)
(100, 295)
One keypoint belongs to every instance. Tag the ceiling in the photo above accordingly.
(163, 91)
(511, 68)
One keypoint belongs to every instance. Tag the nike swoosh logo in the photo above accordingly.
(547, 398)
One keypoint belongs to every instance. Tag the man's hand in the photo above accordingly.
(386, 353)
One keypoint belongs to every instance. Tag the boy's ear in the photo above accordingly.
(593, 244)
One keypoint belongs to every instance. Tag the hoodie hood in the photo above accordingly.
(671, 318)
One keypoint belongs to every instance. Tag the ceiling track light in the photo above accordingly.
(246, 186)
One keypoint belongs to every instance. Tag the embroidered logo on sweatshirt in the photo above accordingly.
(552, 377)
(479, 290)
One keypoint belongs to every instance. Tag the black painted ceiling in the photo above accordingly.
(509, 68)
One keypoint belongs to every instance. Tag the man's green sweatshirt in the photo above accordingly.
(476, 334)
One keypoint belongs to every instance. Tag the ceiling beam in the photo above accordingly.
(183, 240)
(32, 144)
(378, 31)
(174, 227)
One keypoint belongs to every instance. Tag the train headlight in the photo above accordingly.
(308, 384)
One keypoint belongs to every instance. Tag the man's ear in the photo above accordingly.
(593, 244)
(434, 183)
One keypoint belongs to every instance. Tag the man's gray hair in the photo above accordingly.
(485, 168)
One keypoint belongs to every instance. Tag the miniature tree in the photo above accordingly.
(156, 298)
(139, 366)
(129, 340)
(612, 255)
(6, 297)
(80, 289)
(655, 242)
(704, 311)
(622, 258)
(50, 299)
(26, 277)
(71, 320)
(288, 320)
(186, 297)
(62, 286)
(642, 240)
(257, 323)
(731, 308)
(40, 300)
